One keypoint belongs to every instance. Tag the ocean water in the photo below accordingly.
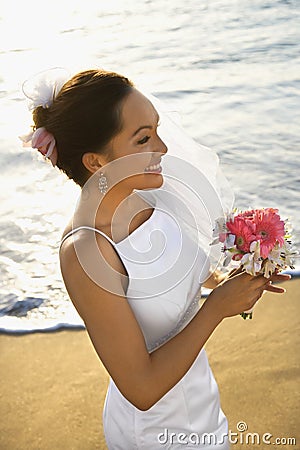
(232, 70)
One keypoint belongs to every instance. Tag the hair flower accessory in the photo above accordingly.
(44, 141)
(42, 88)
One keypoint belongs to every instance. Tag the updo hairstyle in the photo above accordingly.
(84, 116)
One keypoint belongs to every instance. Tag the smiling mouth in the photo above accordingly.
(154, 168)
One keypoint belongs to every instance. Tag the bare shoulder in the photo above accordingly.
(86, 238)
(87, 259)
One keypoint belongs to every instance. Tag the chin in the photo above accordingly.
(147, 181)
(153, 181)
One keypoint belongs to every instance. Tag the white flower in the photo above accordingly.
(231, 215)
(252, 261)
(220, 226)
(219, 230)
(273, 261)
(288, 227)
(288, 252)
(274, 254)
(255, 248)
(229, 242)
(269, 268)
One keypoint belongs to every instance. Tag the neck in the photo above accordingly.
(115, 204)
(118, 206)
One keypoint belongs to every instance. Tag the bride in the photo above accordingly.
(136, 253)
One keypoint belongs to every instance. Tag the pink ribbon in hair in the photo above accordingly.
(44, 141)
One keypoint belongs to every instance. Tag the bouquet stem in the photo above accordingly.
(246, 315)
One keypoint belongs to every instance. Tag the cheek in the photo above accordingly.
(139, 160)
(132, 166)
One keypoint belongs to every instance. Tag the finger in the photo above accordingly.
(275, 289)
(239, 269)
(280, 277)
(261, 281)
(235, 271)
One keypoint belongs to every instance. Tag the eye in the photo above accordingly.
(144, 140)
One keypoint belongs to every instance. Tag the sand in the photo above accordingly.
(53, 384)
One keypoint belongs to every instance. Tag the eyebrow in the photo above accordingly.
(149, 127)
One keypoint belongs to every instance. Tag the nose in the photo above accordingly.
(161, 146)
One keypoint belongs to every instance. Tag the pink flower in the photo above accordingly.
(248, 214)
(269, 229)
(244, 231)
(44, 141)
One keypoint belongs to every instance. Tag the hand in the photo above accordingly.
(279, 278)
(276, 277)
(240, 291)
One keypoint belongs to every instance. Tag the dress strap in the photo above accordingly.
(86, 228)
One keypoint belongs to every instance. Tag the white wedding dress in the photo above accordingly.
(189, 416)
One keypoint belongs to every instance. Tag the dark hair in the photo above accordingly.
(84, 117)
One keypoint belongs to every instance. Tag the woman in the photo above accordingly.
(134, 271)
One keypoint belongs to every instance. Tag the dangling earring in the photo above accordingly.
(103, 183)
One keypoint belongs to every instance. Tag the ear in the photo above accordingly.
(92, 161)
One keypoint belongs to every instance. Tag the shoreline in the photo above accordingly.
(9, 323)
(54, 385)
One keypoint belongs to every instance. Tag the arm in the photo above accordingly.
(144, 378)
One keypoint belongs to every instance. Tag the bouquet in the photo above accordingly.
(259, 239)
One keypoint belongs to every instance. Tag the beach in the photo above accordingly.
(53, 384)
(230, 71)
